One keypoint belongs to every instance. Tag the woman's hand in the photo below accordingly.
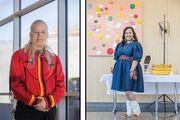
(41, 106)
(133, 75)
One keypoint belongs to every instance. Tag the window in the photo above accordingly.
(6, 45)
(25, 3)
(7, 6)
(50, 18)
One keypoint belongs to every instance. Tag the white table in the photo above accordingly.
(148, 78)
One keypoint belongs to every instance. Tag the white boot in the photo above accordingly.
(129, 108)
(135, 108)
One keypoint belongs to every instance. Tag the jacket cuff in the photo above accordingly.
(31, 102)
(36, 101)
(52, 102)
(47, 100)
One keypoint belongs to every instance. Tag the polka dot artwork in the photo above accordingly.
(107, 36)
(106, 8)
(94, 48)
(117, 37)
(135, 16)
(132, 23)
(106, 12)
(137, 3)
(98, 26)
(106, 20)
(130, 16)
(89, 33)
(103, 45)
(99, 15)
(100, 36)
(98, 52)
(111, 2)
(132, 6)
(101, 10)
(110, 18)
(110, 51)
(90, 17)
(97, 9)
(118, 25)
(126, 22)
(121, 8)
(120, 14)
(95, 21)
(97, 30)
(139, 21)
(89, 5)
(100, 6)
(93, 28)
(114, 45)
(117, 41)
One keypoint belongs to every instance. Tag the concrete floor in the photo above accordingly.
(144, 116)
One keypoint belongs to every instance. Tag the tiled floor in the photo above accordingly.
(144, 116)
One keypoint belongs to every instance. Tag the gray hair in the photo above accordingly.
(31, 52)
(39, 22)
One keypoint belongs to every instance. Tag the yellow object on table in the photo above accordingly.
(161, 69)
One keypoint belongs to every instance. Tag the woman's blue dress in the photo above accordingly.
(121, 74)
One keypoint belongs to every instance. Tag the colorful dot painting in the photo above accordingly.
(106, 8)
(135, 16)
(110, 18)
(121, 8)
(137, 3)
(100, 36)
(95, 21)
(89, 6)
(120, 15)
(132, 6)
(103, 45)
(89, 33)
(106, 20)
(110, 51)
(94, 48)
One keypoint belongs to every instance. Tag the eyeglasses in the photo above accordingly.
(38, 33)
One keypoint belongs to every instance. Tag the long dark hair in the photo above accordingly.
(123, 36)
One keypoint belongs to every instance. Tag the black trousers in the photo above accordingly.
(25, 112)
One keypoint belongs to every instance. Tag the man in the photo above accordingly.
(36, 77)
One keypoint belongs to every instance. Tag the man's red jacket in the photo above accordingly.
(31, 79)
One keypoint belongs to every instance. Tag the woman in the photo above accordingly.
(36, 77)
(127, 73)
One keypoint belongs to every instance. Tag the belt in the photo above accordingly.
(124, 57)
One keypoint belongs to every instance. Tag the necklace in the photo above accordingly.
(129, 41)
(127, 44)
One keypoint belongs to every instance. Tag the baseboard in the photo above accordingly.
(121, 107)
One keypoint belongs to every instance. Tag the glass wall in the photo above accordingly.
(6, 50)
(6, 5)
